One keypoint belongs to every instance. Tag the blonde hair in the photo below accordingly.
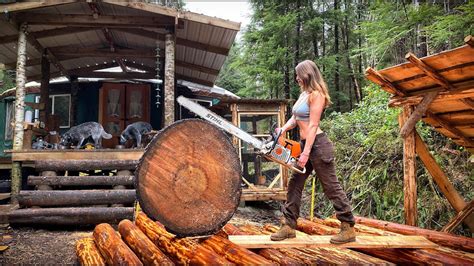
(312, 79)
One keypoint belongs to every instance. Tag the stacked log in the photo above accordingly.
(52, 198)
(112, 248)
(182, 250)
(148, 253)
(87, 253)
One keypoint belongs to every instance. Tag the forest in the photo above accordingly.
(344, 38)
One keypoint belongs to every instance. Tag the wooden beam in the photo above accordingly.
(409, 171)
(377, 78)
(22, 6)
(429, 71)
(102, 52)
(463, 214)
(179, 41)
(116, 75)
(417, 114)
(47, 33)
(463, 90)
(469, 102)
(440, 178)
(469, 40)
(199, 68)
(446, 125)
(313, 241)
(76, 20)
(44, 89)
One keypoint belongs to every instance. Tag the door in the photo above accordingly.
(121, 105)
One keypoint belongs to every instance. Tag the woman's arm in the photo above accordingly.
(316, 107)
(289, 125)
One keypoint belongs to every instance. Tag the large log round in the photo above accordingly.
(189, 178)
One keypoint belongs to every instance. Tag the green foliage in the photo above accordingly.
(6, 80)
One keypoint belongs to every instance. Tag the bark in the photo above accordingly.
(169, 86)
(69, 216)
(87, 253)
(182, 250)
(112, 248)
(76, 197)
(148, 253)
(234, 253)
(445, 239)
(336, 53)
(84, 165)
(81, 180)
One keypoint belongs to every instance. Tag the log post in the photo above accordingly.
(142, 245)
(44, 90)
(87, 253)
(112, 248)
(19, 111)
(409, 170)
(283, 170)
(74, 92)
(169, 101)
(466, 212)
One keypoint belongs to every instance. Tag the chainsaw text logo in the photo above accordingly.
(214, 119)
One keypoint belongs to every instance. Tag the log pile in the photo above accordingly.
(146, 242)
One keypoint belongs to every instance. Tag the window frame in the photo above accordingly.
(9, 102)
(52, 97)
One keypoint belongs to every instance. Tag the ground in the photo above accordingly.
(56, 246)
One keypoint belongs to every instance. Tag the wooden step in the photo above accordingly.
(69, 216)
(81, 180)
(263, 241)
(50, 198)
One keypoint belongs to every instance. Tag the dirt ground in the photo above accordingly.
(56, 246)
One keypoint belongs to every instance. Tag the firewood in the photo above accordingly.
(183, 250)
(143, 247)
(445, 239)
(112, 248)
(87, 252)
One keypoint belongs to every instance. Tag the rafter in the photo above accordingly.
(75, 20)
(32, 5)
(377, 78)
(202, 69)
(429, 71)
(449, 127)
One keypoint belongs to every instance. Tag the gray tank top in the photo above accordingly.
(301, 107)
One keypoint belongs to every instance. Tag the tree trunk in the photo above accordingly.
(298, 33)
(112, 248)
(148, 253)
(169, 86)
(183, 250)
(70, 216)
(87, 253)
(81, 180)
(445, 239)
(336, 53)
(84, 165)
(199, 187)
(76, 197)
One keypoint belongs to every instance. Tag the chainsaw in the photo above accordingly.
(275, 148)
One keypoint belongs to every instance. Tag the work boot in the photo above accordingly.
(285, 232)
(347, 234)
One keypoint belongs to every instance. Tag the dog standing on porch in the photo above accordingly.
(79, 133)
(135, 132)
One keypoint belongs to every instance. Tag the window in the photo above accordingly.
(61, 105)
(9, 119)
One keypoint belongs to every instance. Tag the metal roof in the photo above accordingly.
(84, 36)
(449, 76)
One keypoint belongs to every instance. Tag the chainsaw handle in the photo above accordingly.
(298, 169)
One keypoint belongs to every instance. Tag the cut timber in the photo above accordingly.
(233, 252)
(81, 180)
(445, 239)
(323, 241)
(112, 248)
(70, 216)
(87, 252)
(148, 253)
(83, 165)
(75, 197)
(459, 218)
(183, 250)
(189, 178)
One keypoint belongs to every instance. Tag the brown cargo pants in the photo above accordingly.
(321, 159)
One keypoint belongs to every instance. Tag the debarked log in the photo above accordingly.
(182, 250)
(84, 165)
(445, 239)
(81, 180)
(70, 216)
(233, 252)
(112, 248)
(148, 253)
(75, 197)
(87, 253)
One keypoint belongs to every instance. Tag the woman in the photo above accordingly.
(318, 154)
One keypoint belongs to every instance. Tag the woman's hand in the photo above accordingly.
(303, 159)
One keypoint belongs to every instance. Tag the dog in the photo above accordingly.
(79, 133)
(135, 131)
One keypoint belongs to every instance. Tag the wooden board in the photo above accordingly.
(33, 155)
(263, 241)
(189, 178)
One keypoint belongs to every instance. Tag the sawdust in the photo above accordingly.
(56, 246)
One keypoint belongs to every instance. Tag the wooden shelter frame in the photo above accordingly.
(439, 89)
